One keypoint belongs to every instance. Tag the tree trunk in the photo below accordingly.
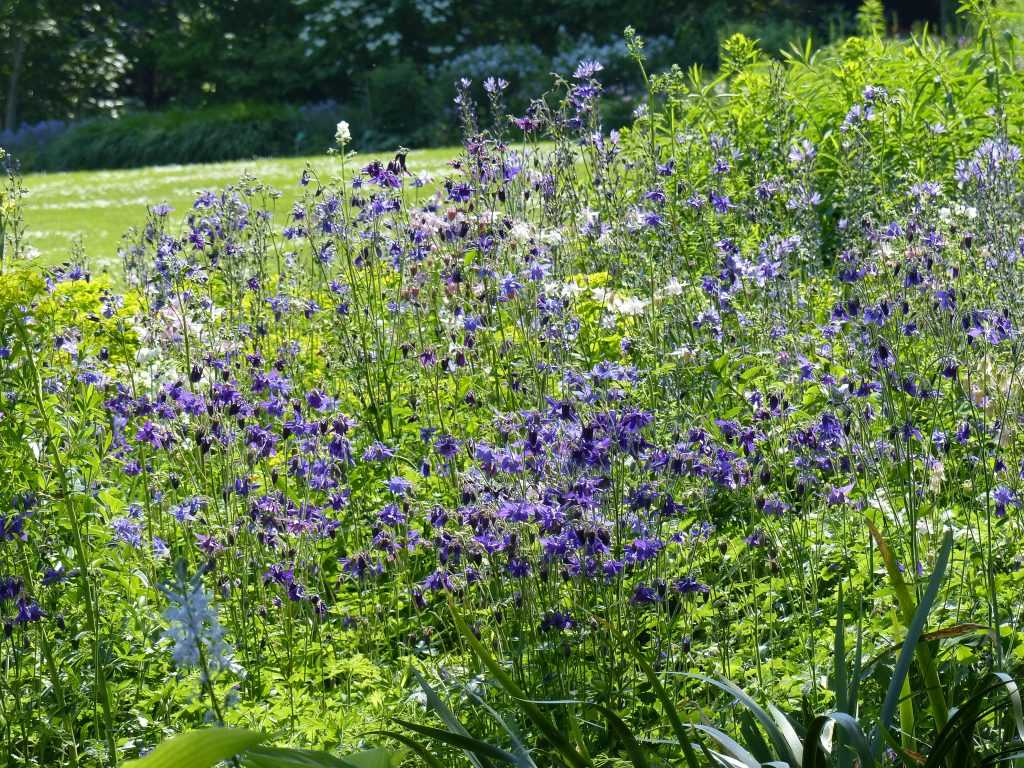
(17, 64)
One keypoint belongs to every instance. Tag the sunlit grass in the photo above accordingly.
(96, 208)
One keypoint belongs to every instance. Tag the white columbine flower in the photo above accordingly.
(343, 135)
(672, 288)
(629, 306)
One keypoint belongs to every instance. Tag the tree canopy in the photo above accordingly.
(62, 59)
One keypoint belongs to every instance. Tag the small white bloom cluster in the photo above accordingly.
(196, 632)
(342, 134)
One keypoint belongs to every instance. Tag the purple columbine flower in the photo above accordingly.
(10, 588)
(559, 621)
(721, 202)
(28, 611)
(437, 581)
(587, 69)
(643, 550)
(690, 586)
(127, 532)
(391, 515)
(1003, 498)
(839, 495)
(377, 451)
(399, 486)
(644, 595)
(518, 568)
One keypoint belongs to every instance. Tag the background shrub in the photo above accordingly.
(230, 132)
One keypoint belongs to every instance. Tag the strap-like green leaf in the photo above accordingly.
(282, 757)
(666, 702)
(469, 743)
(839, 680)
(910, 646)
(914, 620)
(421, 751)
(201, 748)
(519, 748)
(1013, 694)
(816, 756)
(737, 754)
(781, 740)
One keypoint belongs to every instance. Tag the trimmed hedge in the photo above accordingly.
(232, 132)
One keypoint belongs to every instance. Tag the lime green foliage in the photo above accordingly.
(871, 18)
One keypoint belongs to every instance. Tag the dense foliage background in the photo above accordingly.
(223, 79)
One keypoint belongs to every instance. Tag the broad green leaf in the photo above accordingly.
(421, 751)
(281, 757)
(202, 748)
(738, 756)
(780, 738)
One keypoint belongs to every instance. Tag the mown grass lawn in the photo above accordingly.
(98, 207)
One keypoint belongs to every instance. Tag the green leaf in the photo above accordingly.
(782, 737)
(753, 739)
(839, 680)
(202, 748)
(421, 751)
(788, 732)
(1013, 694)
(738, 755)
(378, 757)
(519, 748)
(281, 757)
(815, 754)
(914, 619)
(666, 701)
(468, 743)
